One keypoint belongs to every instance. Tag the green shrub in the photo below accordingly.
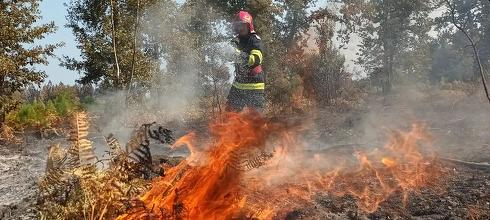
(65, 103)
(38, 114)
(31, 114)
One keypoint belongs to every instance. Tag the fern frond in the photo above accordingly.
(159, 133)
(249, 160)
(86, 152)
(54, 174)
(138, 150)
(80, 127)
(81, 152)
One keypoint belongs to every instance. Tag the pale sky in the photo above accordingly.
(54, 10)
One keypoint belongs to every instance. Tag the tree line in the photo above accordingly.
(126, 44)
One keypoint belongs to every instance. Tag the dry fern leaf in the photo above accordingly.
(138, 149)
(124, 169)
(81, 152)
(54, 168)
(142, 154)
(73, 159)
(142, 157)
(150, 131)
(80, 127)
(137, 137)
(137, 158)
(86, 152)
(159, 133)
(85, 171)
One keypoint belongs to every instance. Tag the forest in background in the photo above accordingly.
(154, 48)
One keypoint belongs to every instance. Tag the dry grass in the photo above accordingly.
(8, 135)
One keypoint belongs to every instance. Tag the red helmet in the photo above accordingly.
(245, 17)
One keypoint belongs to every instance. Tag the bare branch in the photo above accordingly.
(452, 10)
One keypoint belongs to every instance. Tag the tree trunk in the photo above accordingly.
(135, 38)
(133, 60)
(386, 77)
(387, 58)
(114, 48)
(480, 68)
(389, 81)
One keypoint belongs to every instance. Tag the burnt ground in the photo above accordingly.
(20, 168)
(460, 127)
(464, 194)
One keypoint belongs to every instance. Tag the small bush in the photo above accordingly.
(65, 103)
(38, 114)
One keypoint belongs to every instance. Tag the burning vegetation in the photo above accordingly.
(226, 180)
(249, 167)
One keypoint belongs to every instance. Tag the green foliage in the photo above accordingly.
(18, 57)
(32, 114)
(388, 30)
(450, 64)
(163, 45)
(111, 42)
(64, 104)
(44, 114)
(187, 41)
(473, 16)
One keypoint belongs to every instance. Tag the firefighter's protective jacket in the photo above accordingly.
(248, 70)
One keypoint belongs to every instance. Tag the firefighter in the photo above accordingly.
(248, 87)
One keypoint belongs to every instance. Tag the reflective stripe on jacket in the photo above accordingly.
(248, 72)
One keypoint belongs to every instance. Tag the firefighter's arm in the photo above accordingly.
(255, 57)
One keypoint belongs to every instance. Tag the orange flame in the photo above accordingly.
(213, 183)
